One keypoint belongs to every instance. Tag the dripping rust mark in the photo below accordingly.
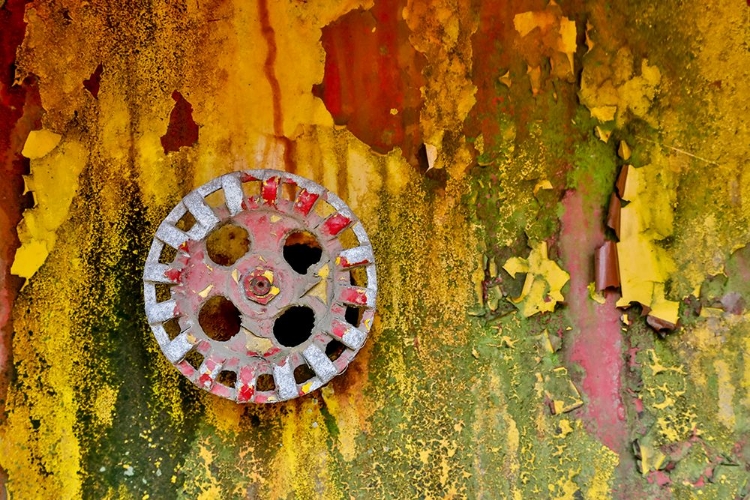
(269, 68)
(372, 78)
(92, 83)
(182, 129)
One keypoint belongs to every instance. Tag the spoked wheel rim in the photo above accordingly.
(260, 286)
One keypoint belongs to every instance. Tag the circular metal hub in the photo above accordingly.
(260, 286)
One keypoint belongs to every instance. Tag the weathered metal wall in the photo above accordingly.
(480, 144)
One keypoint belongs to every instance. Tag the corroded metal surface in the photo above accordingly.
(262, 285)
(470, 138)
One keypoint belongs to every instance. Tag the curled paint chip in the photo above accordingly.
(606, 267)
(260, 286)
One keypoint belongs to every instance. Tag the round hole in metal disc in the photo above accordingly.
(219, 318)
(302, 250)
(227, 244)
(294, 326)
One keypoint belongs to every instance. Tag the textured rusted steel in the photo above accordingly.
(261, 285)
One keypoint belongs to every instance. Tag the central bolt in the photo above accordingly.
(260, 286)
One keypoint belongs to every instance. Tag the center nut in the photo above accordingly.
(258, 285)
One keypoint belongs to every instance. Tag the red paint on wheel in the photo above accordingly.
(173, 275)
(335, 224)
(354, 296)
(270, 190)
(245, 393)
(305, 201)
(339, 329)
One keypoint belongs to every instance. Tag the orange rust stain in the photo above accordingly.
(269, 35)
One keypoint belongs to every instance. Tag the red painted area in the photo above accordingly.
(497, 49)
(186, 369)
(598, 345)
(493, 55)
(270, 190)
(354, 296)
(305, 201)
(173, 274)
(661, 478)
(20, 112)
(335, 224)
(371, 68)
(271, 352)
(205, 380)
(182, 130)
(245, 393)
(346, 263)
(221, 390)
(339, 329)
(93, 82)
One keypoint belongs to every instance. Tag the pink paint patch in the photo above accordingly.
(597, 347)
(659, 477)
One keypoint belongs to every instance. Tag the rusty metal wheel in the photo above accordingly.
(260, 286)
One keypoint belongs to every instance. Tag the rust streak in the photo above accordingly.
(269, 68)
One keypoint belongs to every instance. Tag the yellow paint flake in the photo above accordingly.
(526, 22)
(320, 290)
(256, 344)
(565, 428)
(557, 33)
(546, 343)
(561, 391)
(600, 487)
(542, 288)
(604, 113)
(565, 488)
(602, 133)
(652, 458)
(647, 219)
(505, 79)
(543, 184)
(623, 151)
(595, 295)
(610, 88)
(54, 182)
(39, 143)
